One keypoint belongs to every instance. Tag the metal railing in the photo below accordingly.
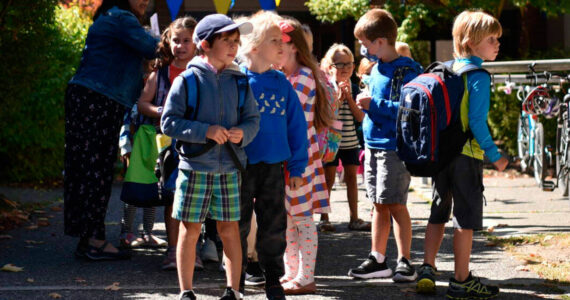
(502, 71)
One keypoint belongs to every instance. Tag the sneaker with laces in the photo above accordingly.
(209, 251)
(404, 271)
(187, 295)
(370, 268)
(169, 262)
(229, 294)
(253, 274)
(471, 288)
(426, 279)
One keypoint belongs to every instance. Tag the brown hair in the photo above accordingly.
(472, 27)
(165, 56)
(323, 111)
(365, 67)
(377, 23)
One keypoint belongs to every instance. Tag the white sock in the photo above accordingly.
(379, 256)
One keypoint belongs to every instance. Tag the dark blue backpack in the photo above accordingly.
(429, 131)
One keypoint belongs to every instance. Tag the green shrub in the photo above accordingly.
(41, 45)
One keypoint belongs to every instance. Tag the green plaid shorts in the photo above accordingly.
(202, 194)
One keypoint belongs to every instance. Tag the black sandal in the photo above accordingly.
(98, 253)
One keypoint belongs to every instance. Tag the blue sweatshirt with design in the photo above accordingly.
(282, 132)
(379, 124)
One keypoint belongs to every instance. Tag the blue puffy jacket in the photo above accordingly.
(112, 59)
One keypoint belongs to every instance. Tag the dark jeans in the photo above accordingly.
(266, 184)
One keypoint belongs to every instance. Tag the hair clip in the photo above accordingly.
(285, 28)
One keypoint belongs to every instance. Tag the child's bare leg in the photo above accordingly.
(186, 253)
(402, 229)
(172, 226)
(351, 190)
(380, 228)
(462, 242)
(330, 174)
(230, 236)
(432, 242)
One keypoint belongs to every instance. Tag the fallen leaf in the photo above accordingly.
(56, 208)
(54, 295)
(32, 227)
(43, 223)
(80, 280)
(491, 229)
(11, 268)
(113, 287)
(5, 237)
(408, 290)
(30, 280)
(37, 211)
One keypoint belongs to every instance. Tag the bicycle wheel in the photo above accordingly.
(523, 138)
(562, 155)
(539, 155)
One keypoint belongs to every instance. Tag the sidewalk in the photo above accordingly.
(49, 266)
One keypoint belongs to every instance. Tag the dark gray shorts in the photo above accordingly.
(460, 183)
(387, 179)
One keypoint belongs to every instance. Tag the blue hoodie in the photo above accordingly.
(283, 129)
(379, 124)
(218, 106)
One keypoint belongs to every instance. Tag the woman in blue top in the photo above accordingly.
(108, 81)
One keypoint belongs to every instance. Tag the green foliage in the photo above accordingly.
(335, 10)
(41, 45)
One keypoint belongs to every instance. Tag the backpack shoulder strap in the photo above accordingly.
(242, 84)
(192, 87)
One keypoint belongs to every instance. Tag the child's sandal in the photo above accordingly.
(98, 253)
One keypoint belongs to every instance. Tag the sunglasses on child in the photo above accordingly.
(343, 65)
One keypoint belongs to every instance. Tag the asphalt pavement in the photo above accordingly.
(515, 206)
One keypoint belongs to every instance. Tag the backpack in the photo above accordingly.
(192, 86)
(429, 130)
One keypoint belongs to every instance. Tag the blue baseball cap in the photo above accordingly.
(218, 23)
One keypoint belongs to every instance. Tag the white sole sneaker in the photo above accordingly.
(378, 274)
(399, 277)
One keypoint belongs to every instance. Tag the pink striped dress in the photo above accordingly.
(312, 197)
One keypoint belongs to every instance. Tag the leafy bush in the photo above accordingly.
(41, 45)
(336, 10)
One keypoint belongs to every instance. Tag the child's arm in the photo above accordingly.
(479, 99)
(249, 122)
(173, 122)
(296, 134)
(144, 104)
(346, 95)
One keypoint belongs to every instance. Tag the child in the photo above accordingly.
(404, 49)
(339, 64)
(176, 49)
(208, 184)
(387, 179)
(282, 138)
(475, 39)
(312, 197)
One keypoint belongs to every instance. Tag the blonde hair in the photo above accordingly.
(165, 56)
(323, 112)
(403, 49)
(377, 23)
(327, 60)
(262, 22)
(472, 27)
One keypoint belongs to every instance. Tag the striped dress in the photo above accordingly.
(312, 196)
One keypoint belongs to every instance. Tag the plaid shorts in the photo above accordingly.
(201, 194)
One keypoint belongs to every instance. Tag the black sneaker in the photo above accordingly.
(471, 288)
(253, 274)
(188, 295)
(371, 269)
(426, 279)
(275, 292)
(228, 294)
(404, 271)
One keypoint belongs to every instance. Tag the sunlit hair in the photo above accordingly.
(377, 23)
(323, 111)
(403, 49)
(365, 67)
(262, 22)
(472, 27)
(327, 60)
(165, 56)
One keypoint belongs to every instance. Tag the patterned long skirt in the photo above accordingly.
(92, 124)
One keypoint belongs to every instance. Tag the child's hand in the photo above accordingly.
(344, 88)
(501, 164)
(363, 101)
(295, 182)
(236, 135)
(217, 133)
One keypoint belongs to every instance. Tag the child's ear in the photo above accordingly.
(204, 45)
